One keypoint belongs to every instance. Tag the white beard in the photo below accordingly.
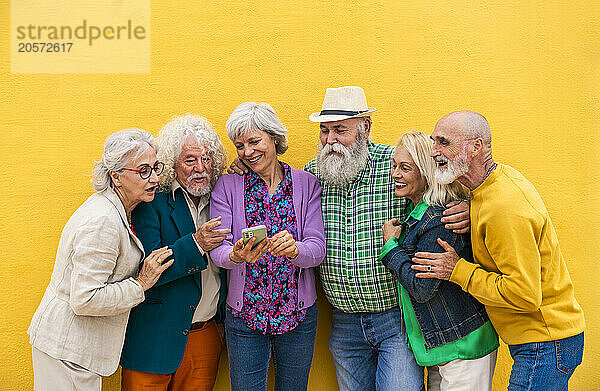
(454, 168)
(342, 167)
(197, 192)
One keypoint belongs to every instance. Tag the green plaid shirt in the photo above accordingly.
(352, 277)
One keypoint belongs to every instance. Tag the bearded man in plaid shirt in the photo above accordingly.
(367, 342)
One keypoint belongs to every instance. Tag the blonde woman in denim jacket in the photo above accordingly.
(448, 330)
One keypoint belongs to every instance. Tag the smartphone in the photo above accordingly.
(259, 232)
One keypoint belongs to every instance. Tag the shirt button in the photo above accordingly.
(192, 308)
(185, 331)
(301, 304)
(237, 303)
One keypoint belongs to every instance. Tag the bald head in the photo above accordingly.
(469, 124)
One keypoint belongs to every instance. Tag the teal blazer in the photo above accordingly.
(158, 327)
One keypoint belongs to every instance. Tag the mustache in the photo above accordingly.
(335, 147)
(440, 159)
(198, 176)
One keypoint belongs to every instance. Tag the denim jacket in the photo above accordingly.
(443, 310)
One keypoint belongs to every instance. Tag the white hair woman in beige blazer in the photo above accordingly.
(78, 330)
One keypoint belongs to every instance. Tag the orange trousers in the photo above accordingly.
(197, 372)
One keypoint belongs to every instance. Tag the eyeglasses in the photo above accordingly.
(145, 170)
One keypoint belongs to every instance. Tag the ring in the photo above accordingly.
(428, 268)
(158, 261)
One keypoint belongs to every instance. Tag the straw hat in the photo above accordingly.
(342, 103)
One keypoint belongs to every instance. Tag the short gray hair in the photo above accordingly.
(119, 149)
(252, 116)
(418, 145)
(171, 138)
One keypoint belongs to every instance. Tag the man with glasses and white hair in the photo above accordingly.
(367, 342)
(172, 340)
(519, 274)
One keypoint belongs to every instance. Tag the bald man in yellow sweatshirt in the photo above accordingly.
(519, 273)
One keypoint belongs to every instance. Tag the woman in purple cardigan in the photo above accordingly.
(271, 297)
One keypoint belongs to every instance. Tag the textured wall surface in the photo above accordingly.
(531, 67)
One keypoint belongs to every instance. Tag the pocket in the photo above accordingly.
(569, 353)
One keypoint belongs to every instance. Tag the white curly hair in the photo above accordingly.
(171, 138)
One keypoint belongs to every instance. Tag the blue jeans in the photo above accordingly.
(370, 353)
(545, 366)
(249, 352)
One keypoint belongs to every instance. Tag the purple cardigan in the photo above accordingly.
(227, 201)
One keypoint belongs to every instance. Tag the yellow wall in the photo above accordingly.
(532, 67)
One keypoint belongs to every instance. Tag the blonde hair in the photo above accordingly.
(418, 145)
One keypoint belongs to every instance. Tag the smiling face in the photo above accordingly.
(450, 152)
(193, 168)
(407, 177)
(130, 187)
(256, 149)
(344, 132)
(343, 150)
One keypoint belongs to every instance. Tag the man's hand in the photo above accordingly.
(283, 243)
(457, 218)
(391, 229)
(241, 253)
(208, 237)
(436, 265)
(237, 167)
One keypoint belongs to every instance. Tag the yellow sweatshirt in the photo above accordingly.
(519, 273)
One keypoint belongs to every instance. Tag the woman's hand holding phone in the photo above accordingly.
(245, 253)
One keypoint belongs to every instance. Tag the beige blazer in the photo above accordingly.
(83, 315)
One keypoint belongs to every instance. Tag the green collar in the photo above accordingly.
(418, 211)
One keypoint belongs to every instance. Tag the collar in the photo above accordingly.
(418, 211)
(365, 174)
(490, 179)
(254, 177)
(175, 185)
(114, 199)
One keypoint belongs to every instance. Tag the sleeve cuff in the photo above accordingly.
(387, 247)
(202, 252)
(463, 270)
(140, 292)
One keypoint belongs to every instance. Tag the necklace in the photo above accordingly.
(489, 171)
